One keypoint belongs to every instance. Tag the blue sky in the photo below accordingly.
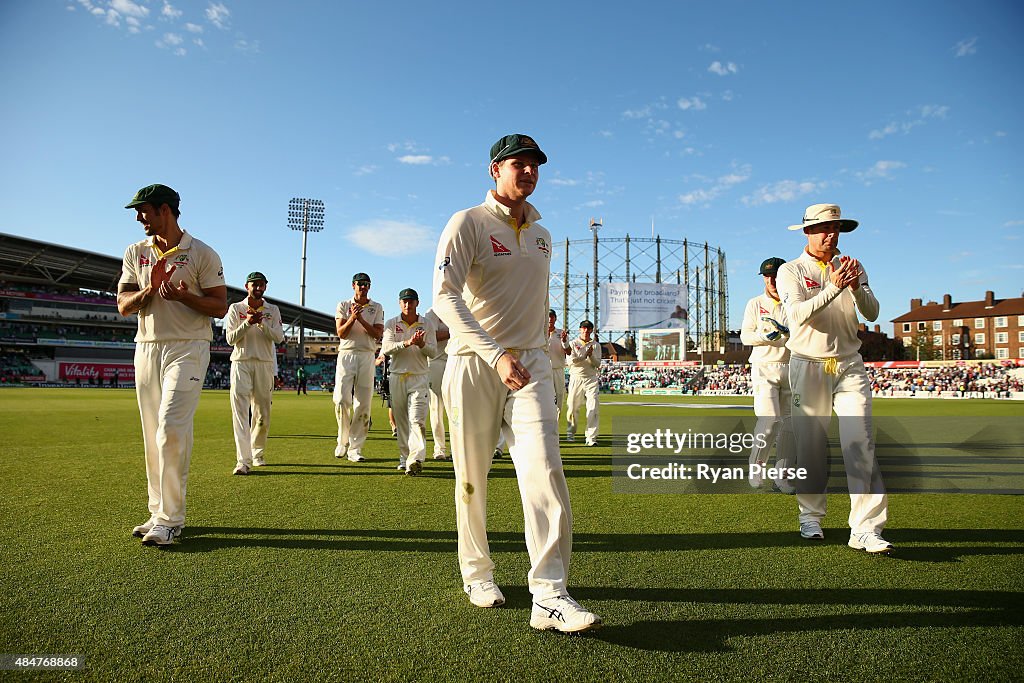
(718, 121)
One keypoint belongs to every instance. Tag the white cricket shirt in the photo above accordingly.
(822, 317)
(195, 264)
(491, 282)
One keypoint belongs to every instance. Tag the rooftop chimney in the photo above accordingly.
(947, 302)
(990, 299)
(915, 303)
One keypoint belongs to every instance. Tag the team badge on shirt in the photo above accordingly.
(761, 310)
(444, 264)
(144, 261)
(543, 246)
(810, 284)
(499, 248)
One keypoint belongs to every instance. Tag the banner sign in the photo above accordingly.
(70, 372)
(642, 305)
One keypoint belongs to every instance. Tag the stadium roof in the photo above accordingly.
(31, 261)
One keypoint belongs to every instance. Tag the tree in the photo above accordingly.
(922, 347)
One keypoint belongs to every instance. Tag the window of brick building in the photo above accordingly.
(979, 338)
(1001, 321)
(937, 325)
(979, 323)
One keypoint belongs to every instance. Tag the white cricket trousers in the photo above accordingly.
(479, 407)
(558, 381)
(252, 386)
(435, 371)
(409, 399)
(772, 406)
(583, 389)
(816, 393)
(353, 391)
(168, 383)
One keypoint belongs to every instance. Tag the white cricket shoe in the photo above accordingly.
(590, 443)
(484, 594)
(143, 529)
(401, 466)
(340, 452)
(811, 530)
(441, 456)
(161, 535)
(258, 462)
(241, 468)
(562, 613)
(498, 454)
(871, 542)
(356, 456)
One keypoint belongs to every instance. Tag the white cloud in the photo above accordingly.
(641, 113)
(416, 159)
(916, 118)
(882, 170)
(198, 42)
(170, 11)
(605, 133)
(966, 47)
(218, 15)
(193, 28)
(171, 40)
(593, 204)
(723, 69)
(563, 182)
(1000, 133)
(251, 47)
(720, 185)
(783, 191)
(695, 103)
(128, 8)
(365, 170)
(1012, 224)
(383, 237)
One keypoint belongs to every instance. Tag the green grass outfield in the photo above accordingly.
(317, 569)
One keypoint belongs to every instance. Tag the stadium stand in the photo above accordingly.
(59, 323)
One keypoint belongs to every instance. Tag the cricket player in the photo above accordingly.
(253, 327)
(435, 371)
(360, 326)
(584, 386)
(410, 340)
(175, 284)
(765, 329)
(558, 349)
(822, 293)
(491, 289)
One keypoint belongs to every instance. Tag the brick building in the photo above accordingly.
(990, 328)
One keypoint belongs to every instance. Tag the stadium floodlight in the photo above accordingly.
(306, 215)
(595, 225)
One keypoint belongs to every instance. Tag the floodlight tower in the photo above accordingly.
(595, 225)
(306, 215)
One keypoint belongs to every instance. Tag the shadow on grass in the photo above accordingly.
(918, 609)
(975, 541)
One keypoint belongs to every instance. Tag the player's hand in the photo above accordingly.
(255, 317)
(853, 280)
(355, 310)
(841, 275)
(419, 338)
(565, 336)
(512, 373)
(159, 275)
(171, 292)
